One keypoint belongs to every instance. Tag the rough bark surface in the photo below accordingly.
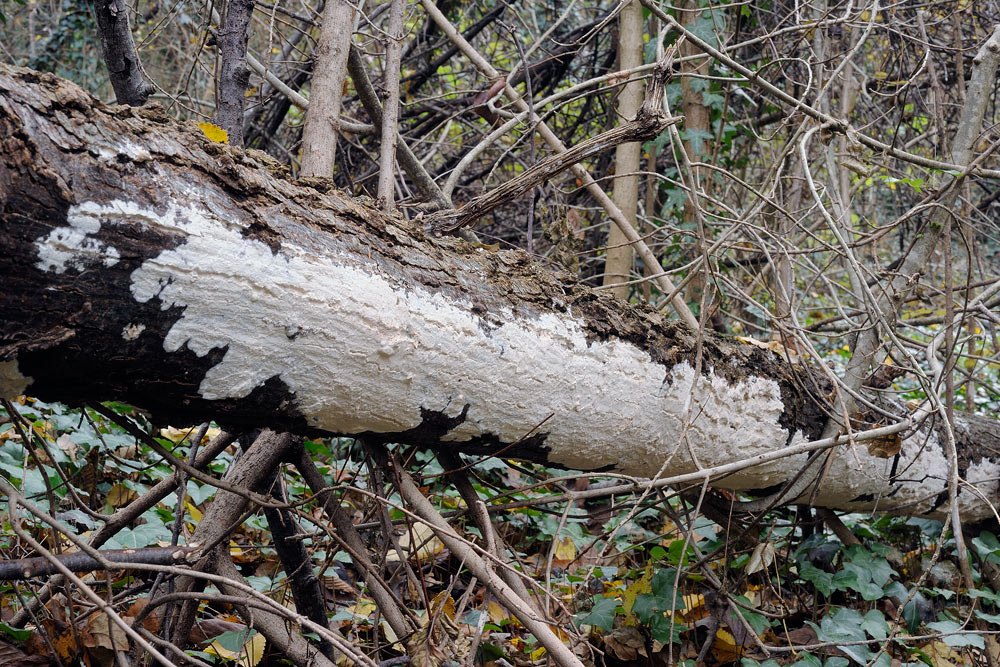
(319, 136)
(618, 258)
(119, 53)
(233, 72)
(142, 262)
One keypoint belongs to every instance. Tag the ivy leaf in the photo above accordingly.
(844, 625)
(878, 568)
(875, 625)
(665, 629)
(985, 594)
(956, 641)
(602, 615)
(823, 581)
(989, 618)
(987, 546)
(663, 583)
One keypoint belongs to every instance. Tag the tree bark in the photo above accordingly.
(319, 136)
(119, 53)
(390, 111)
(618, 258)
(142, 262)
(233, 72)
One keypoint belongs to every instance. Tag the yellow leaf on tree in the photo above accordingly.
(214, 133)
(194, 512)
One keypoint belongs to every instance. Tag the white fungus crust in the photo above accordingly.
(71, 246)
(360, 352)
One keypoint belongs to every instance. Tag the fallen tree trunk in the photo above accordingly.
(142, 262)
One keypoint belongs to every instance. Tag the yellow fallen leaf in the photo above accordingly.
(443, 604)
(249, 654)
(565, 550)
(693, 601)
(121, 495)
(214, 133)
(496, 612)
(643, 584)
(178, 435)
(942, 655)
(363, 608)
(194, 512)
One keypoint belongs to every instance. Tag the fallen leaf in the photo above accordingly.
(214, 133)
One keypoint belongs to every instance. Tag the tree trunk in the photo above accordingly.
(319, 136)
(142, 262)
(233, 72)
(119, 53)
(618, 258)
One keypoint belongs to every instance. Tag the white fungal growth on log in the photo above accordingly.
(361, 352)
(72, 246)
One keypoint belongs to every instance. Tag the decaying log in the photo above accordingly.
(144, 263)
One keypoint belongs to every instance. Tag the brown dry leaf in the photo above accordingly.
(772, 345)
(886, 447)
(439, 637)
(615, 78)
(725, 649)
(100, 632)
(150, 622)
(60, 635)
(883, 376)
(942, 655)
(761, 558)
(338, 585)
(799, 637)
(68, 447)
(626, 642)
(993, 647)
(120, 495)
(11, 656)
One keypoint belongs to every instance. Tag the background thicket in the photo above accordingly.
(774, 217)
